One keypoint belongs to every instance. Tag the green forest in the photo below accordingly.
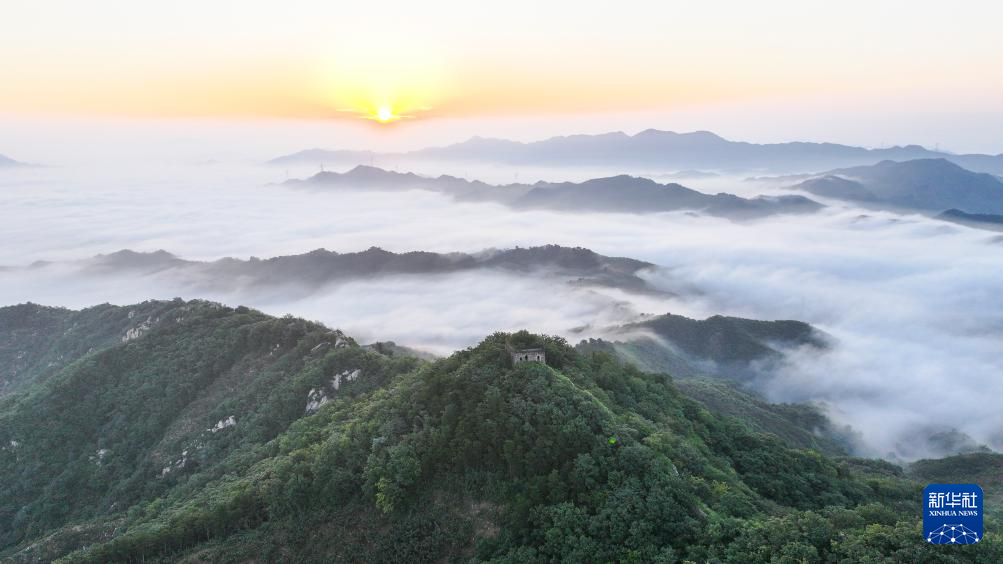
(193, 432)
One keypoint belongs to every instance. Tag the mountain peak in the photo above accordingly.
(363, 174)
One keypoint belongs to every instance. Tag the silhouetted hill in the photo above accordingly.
(665, 150)
(638, 195)
(924, 184)
(624, 194)
(127, 259)
(375, 178)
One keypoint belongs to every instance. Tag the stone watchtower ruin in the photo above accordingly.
(527, 355)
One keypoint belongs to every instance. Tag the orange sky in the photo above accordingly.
(310, 59)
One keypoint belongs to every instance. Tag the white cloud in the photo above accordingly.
(913, 303)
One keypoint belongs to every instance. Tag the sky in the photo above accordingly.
(866, 73)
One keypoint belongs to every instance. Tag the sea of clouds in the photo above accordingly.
(912, 303)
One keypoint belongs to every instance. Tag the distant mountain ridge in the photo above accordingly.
(718, 346)
(652, 147)
(922, 184)
(319, 267)
(623, 194)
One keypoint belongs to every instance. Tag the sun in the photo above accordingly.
(385, 115)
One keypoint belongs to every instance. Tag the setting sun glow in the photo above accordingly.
(384, 114)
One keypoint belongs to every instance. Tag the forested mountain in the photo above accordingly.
(174, 391)
(665, 150)
(716, 361)
(924, 184)
(623, 193)
(205, 433)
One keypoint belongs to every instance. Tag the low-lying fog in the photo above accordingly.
(914, 303)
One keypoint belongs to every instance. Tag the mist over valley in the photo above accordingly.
(899, 321)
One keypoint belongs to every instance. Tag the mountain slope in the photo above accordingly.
(38, 341)
(924, 184)
(799, 425)
(182, 389)
(583, 459)
(623, 194)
